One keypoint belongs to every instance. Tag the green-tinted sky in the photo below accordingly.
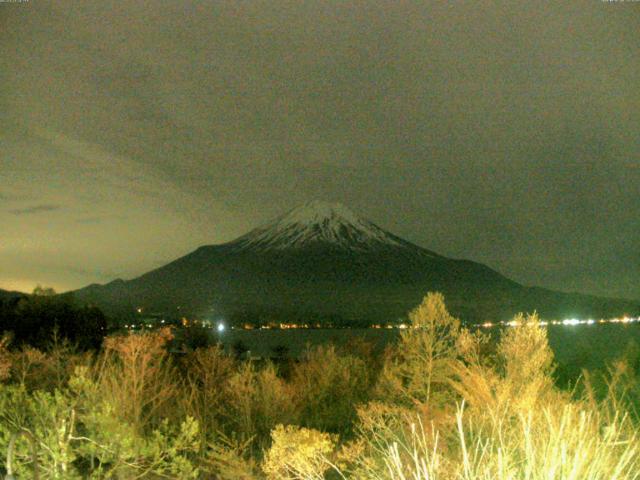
(504, 132)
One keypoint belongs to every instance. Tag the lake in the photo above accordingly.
(581, 346)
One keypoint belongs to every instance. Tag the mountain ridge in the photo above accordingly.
(320, 222)
(322, 260)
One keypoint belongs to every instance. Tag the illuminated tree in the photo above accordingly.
(298, 454)
(419, 368)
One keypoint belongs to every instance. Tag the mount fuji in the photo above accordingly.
(319, 223)
(321, 263)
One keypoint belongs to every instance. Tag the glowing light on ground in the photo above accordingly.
(569, 322)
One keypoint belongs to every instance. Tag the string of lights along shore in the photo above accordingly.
(221, 327)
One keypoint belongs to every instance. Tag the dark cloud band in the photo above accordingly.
(35, 209)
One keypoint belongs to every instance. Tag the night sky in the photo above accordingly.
(503, 132)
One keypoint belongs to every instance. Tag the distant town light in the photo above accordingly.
(220, 327)
(566, 321)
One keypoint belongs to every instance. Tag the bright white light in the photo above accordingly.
(571, 321)
(220, 327)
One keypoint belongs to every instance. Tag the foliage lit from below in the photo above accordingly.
(443, 403)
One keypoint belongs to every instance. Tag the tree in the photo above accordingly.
(41, 291)
(34, 319)
(418, 371)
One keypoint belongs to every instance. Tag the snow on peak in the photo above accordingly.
(318, 222)
(317, 212)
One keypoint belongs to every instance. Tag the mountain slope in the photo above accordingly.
(322, 262)
(319, 223)
(6, 295)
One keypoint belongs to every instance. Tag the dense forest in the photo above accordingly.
(43, 316)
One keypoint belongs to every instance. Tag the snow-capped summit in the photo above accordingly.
(316, 212)
(321, 262)
(318, 222)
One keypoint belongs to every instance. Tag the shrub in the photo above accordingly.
(568, 442)
(232, 459)
(5, 357)
(328, 387)
(136, 376)
(516, 381)
(564, 441)
(444, 408)
(206, 371)
(256, 401)
(298, 454)
(517, 424)
(386, 439)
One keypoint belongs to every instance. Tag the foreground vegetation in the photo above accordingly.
(443, 403)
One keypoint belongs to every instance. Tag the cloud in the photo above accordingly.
(9, 197)
(101, 274)
(468, 130)
(99, 219)
(90, 220)
(46, 207)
